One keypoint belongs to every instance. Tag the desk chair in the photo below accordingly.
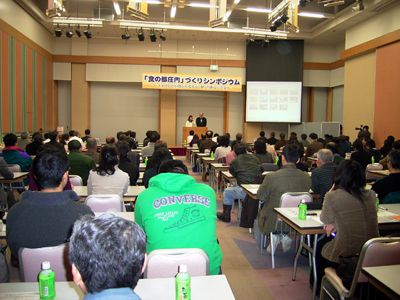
(375, 252)
(164, 263)
(30, 261)
(75, 180)
(292, 199)
(105, 203)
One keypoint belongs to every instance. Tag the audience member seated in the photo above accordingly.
(281, 143)
(125, 164)
(45, 218)
(391, 183)
(52, 136)
(230, 156)
(74, 136)
(314, 146)
(301, 163)
(80, 163)
(387, 145)
(260, 151)
(33, 147)
(238, 139)
(87, 135)
(246, 168)
(272, 140)
(350, 211)
(160, 155)
(304, 140)
(108, 256)
(275, 184)
(262, 137)
(110, 140)
(6, 197)
(147, 138)
(344, 145)
(223, 149)
(207, 143)
(215, 137)
(370, 148)
(14, 155)
(360, 155)
(107, 178)
(24, 140)
(322, 176)
(147, 151)
(337, 159)
(91, 149)
(177, 212)
(384, 161)
(64, 141)
(195, 141)
(189, 138)
(293, 140)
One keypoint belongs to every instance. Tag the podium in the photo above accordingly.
(197, 130)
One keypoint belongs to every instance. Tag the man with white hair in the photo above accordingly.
(322, 176)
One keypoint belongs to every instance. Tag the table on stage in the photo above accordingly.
(385, 279)
(387, 219)
(214, 287)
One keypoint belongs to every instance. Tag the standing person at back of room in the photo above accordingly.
(201, 121)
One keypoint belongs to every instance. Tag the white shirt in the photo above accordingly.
(116, 183)
(189, 139)
(190, 124)
(221, 152)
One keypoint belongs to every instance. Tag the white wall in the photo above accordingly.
(123, 106)
(374, 27)
(64, 104)
(194, 102)
(337, 105)
(14, 15)
(235, 112)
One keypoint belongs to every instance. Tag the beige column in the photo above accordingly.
(168, 111)
(80, 98)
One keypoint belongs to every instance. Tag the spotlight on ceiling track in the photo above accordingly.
(69, 33)
(284, 19)
(140, 35)
(88, 33)
(273, 28)
(302, 3)
(125, 36)
(162, 36)
(153, 37)
(78, 32)
(58, 32)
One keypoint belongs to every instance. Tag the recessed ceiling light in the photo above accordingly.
(173, 11)
(257, 9)
(311, 15)
(199, 4)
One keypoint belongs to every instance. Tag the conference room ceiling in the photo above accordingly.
(328, 30)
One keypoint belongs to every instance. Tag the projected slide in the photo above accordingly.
(273, 101)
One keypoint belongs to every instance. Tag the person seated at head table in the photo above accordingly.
(80, 163)
(103, 269)
(44, 218)
(14, 155)
(125, 164)
(190, 122)
(391, 183)
(223, 149)
(187, 221)
(349, 210)
(107, 178)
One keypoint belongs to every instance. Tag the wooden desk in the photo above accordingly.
(385, 279)
(251, 190)
(142, 167)
(202, 287)
(313, 226)
(130, 196)
(205, 162)
(18, 176)
(379, 173)
(215, 174)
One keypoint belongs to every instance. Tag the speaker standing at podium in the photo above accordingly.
(201, 121)
(190, 122)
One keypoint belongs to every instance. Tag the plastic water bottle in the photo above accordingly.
(212, 155)
(377, 202)
(182, 284)
(372, 159)
(145, 161)
(303, 210)
(47, 290)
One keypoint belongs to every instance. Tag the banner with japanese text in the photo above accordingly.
(173, 81)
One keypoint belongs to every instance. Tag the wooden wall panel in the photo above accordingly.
(80, 98)
(168, 111)
(387, 93)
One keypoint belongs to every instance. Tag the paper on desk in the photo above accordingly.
(293, 212)
(385, 216)
(20, 296)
